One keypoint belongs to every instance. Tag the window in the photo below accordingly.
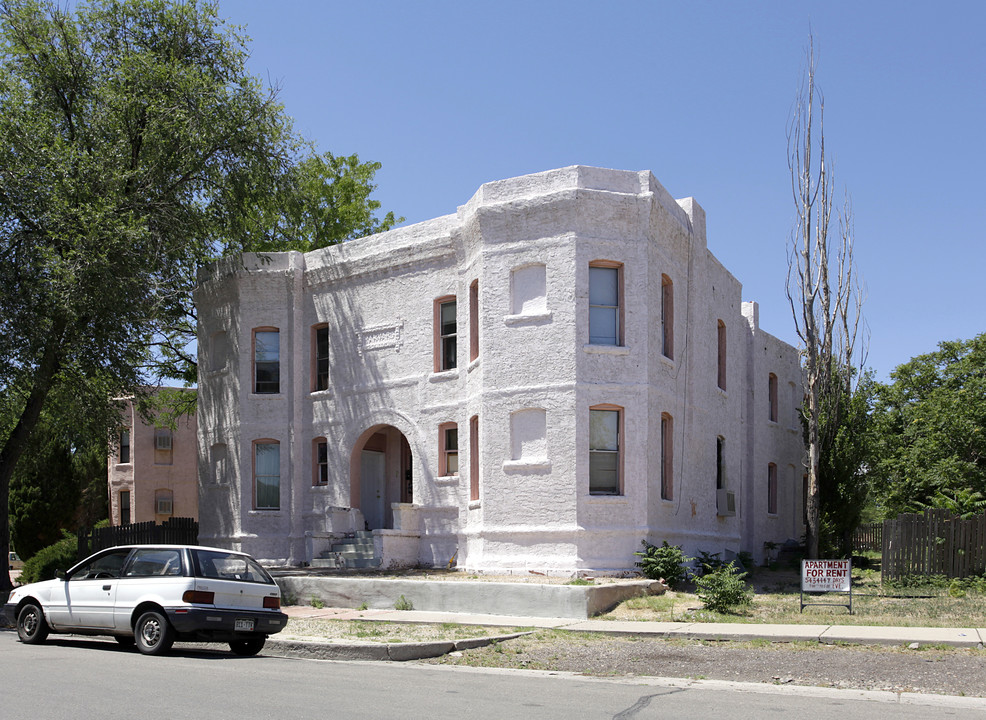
(163, 502)
(528, 290)
(772, 396)
(162, 446)
(474, 458)
(448, 441)
(721, 358)
(720, 463)
(267, 475)
(445, 328)
(219, 461)
(320, 456)
(667, 457)
(604, 304)
(771, 489)
(474, 320)
(125, 445)
(150, 562)
(124, 507)
(218, 351)
(667, 317)
(321, 364)
(605, 459)
(266, 362)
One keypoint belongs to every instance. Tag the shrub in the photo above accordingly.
(403, 604)
(664, 563)
(710, 562)
(723, 589)
(42, 565)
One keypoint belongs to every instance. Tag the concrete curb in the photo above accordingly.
(395, 652)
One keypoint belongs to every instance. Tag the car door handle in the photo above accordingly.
(107, 587)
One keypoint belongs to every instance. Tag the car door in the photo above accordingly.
(88, 594)
(154, 574)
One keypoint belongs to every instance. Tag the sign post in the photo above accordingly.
(825, 576)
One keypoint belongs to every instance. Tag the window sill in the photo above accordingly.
(320, 486)
(606, 349)
(447, 480)
(611, 498)
(321, 394)
(475, 504)
(266, 395)
(444, 375)
(541, 466)
(473, 364)
(532, 319)
(265, 512)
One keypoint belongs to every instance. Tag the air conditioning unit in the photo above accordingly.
(162, 441)
(725, 502)
(163, 506)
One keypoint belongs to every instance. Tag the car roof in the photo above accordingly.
(165, 546)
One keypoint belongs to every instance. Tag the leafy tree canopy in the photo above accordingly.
(930, 427)
(134, 148)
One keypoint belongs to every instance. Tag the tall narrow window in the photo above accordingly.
(445, 330)
(720, 463)
(667, 317)
(321, 365)
(267, 475)
(320, 457)
(125, 445)
(448, 450)
(667, 457)
(604, 304)
(124, 507)
(772, 396)
(474, 320)
(721, 357)
(474, 458)
(605, 458)
(266, 361)
(164, 501)
(771, 489)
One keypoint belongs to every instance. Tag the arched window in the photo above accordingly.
(667, 317)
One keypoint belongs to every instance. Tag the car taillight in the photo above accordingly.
(272, 603)
(199, 597)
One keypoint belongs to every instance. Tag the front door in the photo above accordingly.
(373, 487)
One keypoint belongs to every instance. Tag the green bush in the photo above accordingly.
(723, 589)
(60, 556)
(664, 563)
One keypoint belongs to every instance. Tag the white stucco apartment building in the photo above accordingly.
(539, 382)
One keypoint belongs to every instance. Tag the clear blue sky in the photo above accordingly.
(449, 95)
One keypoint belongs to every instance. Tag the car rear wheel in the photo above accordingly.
(247, 648)
(153, 634)
(31, 625)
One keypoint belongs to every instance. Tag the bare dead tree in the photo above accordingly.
(822, 286)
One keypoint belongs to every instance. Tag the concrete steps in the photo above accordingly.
(352, 552)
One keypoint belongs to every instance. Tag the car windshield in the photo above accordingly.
(229, 566)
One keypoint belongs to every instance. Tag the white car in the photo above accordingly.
(154, 595)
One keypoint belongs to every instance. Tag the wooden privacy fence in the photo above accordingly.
(174, 531)
(868, 536)
(933, 543)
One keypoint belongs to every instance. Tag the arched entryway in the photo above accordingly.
(380, 474)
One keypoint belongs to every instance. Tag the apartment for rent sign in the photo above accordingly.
(825, 576)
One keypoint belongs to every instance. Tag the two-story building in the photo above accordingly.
(540, 381)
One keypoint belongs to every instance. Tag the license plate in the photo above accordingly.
(243, 625)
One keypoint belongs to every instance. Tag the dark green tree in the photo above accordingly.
(134, 148)
(930, 432)
(846, 455)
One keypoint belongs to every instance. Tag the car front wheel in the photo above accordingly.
(153, 633)
(31, 625)
(247, 648)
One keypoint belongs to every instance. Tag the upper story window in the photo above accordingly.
(218, 351)
(772, 396)
(163, 444)
(667, 317)
(474, 320)
(721, 354)
(605, 312)
(320, 346)
(125, 445)
(320, 464)
(445, 334)
(266, 361)
(605, 450)
(720, 463)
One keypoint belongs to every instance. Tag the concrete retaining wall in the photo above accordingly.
(484, 598)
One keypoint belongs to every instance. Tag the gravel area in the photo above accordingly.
(948, 671)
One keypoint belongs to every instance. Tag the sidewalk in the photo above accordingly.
(829, 634)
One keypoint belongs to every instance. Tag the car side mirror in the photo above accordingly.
(60, 574)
